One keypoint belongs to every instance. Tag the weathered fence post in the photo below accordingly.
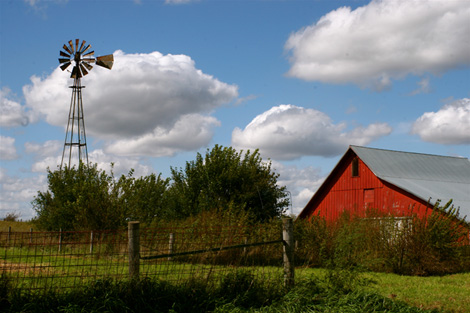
(9, 235)
(288, 241)
(91, 242)
(31, 235)
(133, 249)
(170, 245)
(60, 239)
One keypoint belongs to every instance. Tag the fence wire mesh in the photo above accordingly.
(64, 260)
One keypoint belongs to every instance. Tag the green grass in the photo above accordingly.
(16, 226)
(448, 293)
(236, 292)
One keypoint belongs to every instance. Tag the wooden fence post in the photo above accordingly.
(91, 242)
(133, 249)
(170, 245)
(9, 235)
(31, 235)
(60, 240)
(289, 248)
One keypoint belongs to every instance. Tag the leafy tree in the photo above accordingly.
(77, 198)
(144, 198)
(226, 179)
(89, 198)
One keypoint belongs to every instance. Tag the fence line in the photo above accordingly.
(63, 260)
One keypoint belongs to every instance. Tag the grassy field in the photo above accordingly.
(450, 293)
(16, 226)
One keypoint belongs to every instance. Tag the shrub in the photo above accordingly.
(434, 245)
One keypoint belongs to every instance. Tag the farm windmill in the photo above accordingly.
(75, 136)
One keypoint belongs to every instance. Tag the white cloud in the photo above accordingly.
(17, 193)
(384, 40)
(300, 182)
(12, 113)
(289, 132)
(423, 87)
(144, 95)
(191, 132)
(121, 165)
(449, 125)
(46, 155)
(7, 148)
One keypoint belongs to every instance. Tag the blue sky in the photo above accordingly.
(300, 80)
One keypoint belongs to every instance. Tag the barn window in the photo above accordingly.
(369, 197)
(355, 167)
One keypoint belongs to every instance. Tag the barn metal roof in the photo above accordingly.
(429, 177)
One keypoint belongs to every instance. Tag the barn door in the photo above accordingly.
(369, 197)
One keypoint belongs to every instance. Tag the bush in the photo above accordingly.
(433, 245)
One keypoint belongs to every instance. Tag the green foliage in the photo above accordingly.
(225, 178)
(239, 291)
(89, 198)
(434, 245)
(77, 198)
(144, 198)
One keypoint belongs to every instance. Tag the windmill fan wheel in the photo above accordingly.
(82, 59)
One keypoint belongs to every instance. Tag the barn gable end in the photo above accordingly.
(392, 182)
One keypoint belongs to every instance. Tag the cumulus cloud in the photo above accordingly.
(289, 132)
(300, 182)
(144, 95)
(384, 40)
(450, 125)
(191, 132)
(7, 148)
(12, 113)
(16, 193)
(46, 155)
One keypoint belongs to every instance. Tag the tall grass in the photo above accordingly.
(435, 245)
(236, 292)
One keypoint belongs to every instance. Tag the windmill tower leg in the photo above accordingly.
(75, 136)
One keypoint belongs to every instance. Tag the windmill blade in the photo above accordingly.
(88, 66)
(67, 48)
(71, 46)
(89, 53)
(63, 60)
(83, 69)
(81, 46)
(105, 61)
(65, 65)
(88, 47)
(77, 41)
(89, 60)
(63, 54)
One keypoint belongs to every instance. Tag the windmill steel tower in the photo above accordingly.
(75, 136)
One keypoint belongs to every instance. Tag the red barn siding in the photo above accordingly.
(341, 191)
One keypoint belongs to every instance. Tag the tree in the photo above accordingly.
(77, 198)
(223, 179)
(144, 198)
(89, 198)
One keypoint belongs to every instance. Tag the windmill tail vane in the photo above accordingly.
(82, 58)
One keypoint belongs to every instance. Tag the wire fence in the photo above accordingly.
(63, 260)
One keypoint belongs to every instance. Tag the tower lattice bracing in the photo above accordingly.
(75, 147)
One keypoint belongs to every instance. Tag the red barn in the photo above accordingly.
(393, 182)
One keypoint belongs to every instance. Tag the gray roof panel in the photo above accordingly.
(429, 177)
